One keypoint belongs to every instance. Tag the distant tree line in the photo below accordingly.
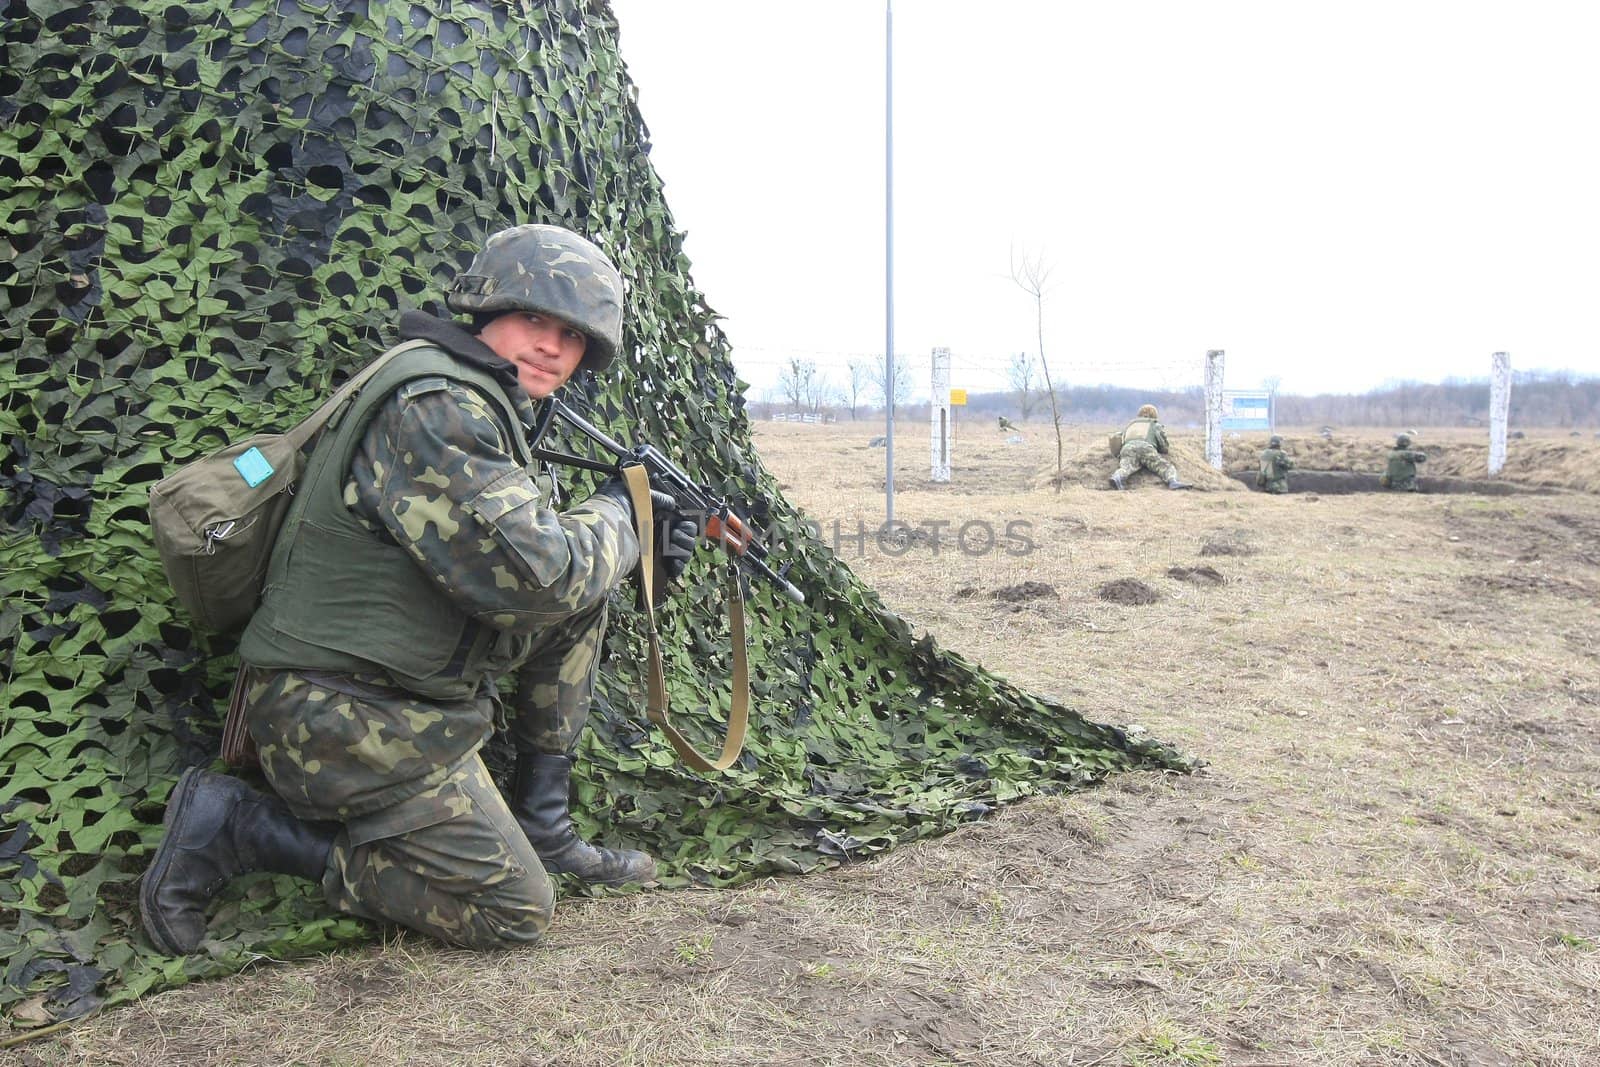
(1096, 404)
(1548, 400)
(1537, 400)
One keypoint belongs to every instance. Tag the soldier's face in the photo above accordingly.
(544, 349)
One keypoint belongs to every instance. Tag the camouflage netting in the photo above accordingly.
(211, 214)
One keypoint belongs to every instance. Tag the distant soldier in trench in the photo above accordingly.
(1273, 477)
(1401, 473)
(1144, 445)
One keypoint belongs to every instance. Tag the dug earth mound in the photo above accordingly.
(1090, 465)
(1128, 591)
(1201, 575)
(1016, 594)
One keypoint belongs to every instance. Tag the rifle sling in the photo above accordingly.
(638, 483)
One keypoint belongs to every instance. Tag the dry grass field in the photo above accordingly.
(1392, 857)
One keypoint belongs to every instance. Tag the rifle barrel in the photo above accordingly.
(752, 557)
(589, 429)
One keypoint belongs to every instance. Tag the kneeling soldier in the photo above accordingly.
(419, 564)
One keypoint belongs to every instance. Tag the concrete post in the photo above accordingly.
(1214, 407)
(940, 416)
(1499, 409)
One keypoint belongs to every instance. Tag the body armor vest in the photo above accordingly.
(342, 599)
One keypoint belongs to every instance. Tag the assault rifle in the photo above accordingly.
(718, 522)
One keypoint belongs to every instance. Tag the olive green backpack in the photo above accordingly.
(215, 518)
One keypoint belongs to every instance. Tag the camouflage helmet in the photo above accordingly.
(1403, 441)
(551, 270)
(1274, 441)
(1148, 411)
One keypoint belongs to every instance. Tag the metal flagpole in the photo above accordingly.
(888, 256)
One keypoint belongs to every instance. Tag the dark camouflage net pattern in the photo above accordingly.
(211, 214)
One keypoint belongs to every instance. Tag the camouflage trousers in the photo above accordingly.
(555, 687)
(1137, 454)
(1273, 485)
(451, 861)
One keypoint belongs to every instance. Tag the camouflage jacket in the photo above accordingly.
(1146, 431)
(1401, 469)
(1275, 466)
(339, 746)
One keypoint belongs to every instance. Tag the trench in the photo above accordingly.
(1340, 483)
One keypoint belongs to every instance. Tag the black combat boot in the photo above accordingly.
(1117, 482)
(539, 800)
(1174, 483)
(218, 828)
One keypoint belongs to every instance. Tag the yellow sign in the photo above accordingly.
(958, 396)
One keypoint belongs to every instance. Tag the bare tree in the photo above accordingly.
(822, 392)
(902, 381)
(1022, 374)
(1032, 276)
(860, 375)
(1272, 383)
(796, 382)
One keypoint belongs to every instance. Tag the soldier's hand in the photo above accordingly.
(676, 533)
(662, 504)
(676, 536)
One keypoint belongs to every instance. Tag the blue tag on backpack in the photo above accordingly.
(253, 467)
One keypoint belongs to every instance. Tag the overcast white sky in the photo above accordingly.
(1337, 194)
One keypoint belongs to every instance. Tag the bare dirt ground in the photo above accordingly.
(1392, 858)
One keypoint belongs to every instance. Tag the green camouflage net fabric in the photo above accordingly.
(212, 214)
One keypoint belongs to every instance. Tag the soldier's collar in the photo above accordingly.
(420, 326)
